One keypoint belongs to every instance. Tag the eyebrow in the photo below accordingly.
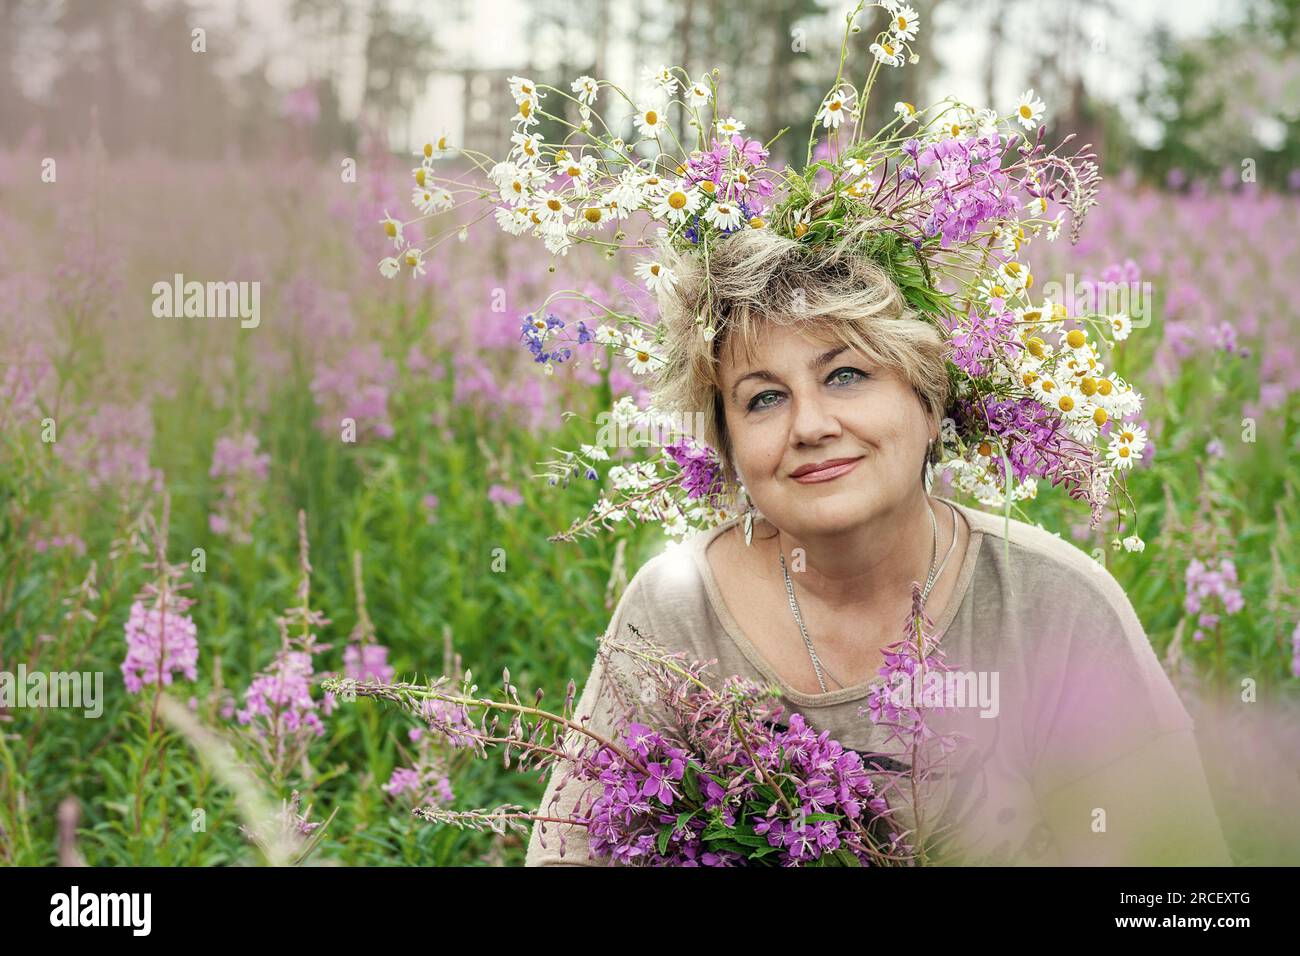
(767, 376)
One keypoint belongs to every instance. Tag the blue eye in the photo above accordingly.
(756, 402)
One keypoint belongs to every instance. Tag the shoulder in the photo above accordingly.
(668, 597)
(1035, 569)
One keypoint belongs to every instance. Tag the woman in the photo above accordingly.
(825, 397)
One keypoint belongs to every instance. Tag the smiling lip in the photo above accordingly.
(825, 471)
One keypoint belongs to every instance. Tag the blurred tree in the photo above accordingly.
(400, 56)
(1227, 98)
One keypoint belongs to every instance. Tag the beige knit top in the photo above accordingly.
(1078, 752)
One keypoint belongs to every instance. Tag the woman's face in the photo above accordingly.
(799, 403)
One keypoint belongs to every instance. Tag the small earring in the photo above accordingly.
(749, 526)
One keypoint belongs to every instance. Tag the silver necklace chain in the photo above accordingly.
(925, 593)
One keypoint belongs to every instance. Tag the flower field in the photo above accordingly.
(151, 461)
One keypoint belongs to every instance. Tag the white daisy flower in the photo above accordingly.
(1036, 206)
(730, 126)
(724, 215)
(1120, 454)
(698, 95)
(513, 220)
(556, 237)
(889, 52)
(1135, 436)
(656, 275)
(677, 205)
(993, 288)
(1015, 276)
(524, 90)
(579, 171)
(552, 207)
(906, 112)
(986, 122)
(586, 87)
(627, 191)
(905, 22)
(650, 120)
(527, 148)
(594, 452)
(1134, 543)
(1082, 430)
(1052, 231)
(393, 229)
(663, 79)
(389, 267)
(442, 199)
(639, 356)
(414, 259)
(608, 335)
(1121, 325)
(834, 109)
(654, 185)
(1029, 110)
(432, 150)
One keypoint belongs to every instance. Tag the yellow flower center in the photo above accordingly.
(1088, 386)
(1029, 378)
(708, 186)
(428, 150)
(1099, 416)
(756, 223)
(1076, 338)
(835, 105)
(801, 230)
(677, 199)
(1126, 436)
(1065, 403)
(391, 229)
(419, 176)
(592, 215)
(1025, 111)
(1123, 451)
(554, 205)
(985, 449)
(525, 108)
(651, 118)
(1035, 346)
(1104, 387)
(442, 142)
(643, 356)
(654, 269)
(1048, 385)
(902, 24)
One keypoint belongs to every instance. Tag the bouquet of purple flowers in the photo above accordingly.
(720, 783)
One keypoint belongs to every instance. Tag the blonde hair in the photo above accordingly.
(755, 276)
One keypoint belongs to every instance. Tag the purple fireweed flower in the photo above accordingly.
(281, 696)
(503, 495)
(701, 473)
(363, 662)
(159, 645)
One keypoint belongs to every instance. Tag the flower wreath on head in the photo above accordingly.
(944, 199)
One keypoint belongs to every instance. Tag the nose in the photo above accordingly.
(813, 421)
